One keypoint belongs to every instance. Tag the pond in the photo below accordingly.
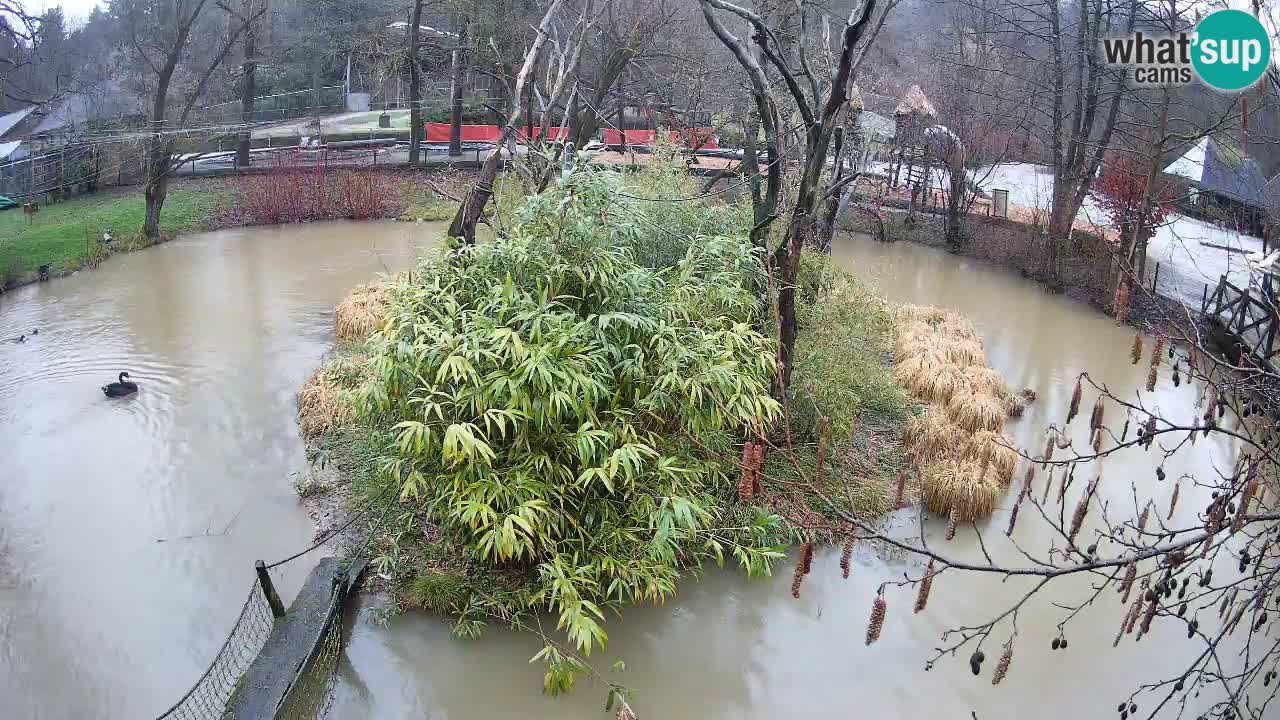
(128, 529)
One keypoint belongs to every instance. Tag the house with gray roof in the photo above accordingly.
(1222, 184)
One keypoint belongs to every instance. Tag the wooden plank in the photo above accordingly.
(268, 679)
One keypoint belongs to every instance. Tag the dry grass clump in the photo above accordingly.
(959, 486)
(962, 352)
(975, 411)
(320, 404)
(966, 461)
(359, 313)
(994, 451)
(933, 436)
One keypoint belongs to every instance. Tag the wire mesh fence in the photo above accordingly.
(208, 698)
(312, 694)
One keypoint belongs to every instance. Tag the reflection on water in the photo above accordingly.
(128, 528)
(732, 648)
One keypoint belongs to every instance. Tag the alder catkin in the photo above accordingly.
(1013, 518)
(1142, 519)
(922, 598)
(846, 556)
(1095, 420)
(1130, 575)
(901, 501)
(1136, 353)
(1145, 627)
(1048, 485)
(1026, 480)
(1122, 303)
(1075, 402)
(1151, 379)
(1157, 351)
(796, 578)
(806, 557)
(1077, 519)
(1134, 611)
(876, 622)
(1173, 500)
(952, 521)
(1002, 667)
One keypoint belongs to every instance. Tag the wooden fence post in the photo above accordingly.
(269, 589)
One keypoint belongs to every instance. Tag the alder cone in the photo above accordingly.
(876, 621)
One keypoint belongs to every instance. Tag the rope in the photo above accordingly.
(334, 533)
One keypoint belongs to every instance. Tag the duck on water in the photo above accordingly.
(121, 387)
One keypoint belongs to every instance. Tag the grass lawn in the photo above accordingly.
(64, 234)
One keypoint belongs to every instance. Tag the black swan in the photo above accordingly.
(121, 388)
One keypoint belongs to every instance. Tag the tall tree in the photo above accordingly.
(415, 82)
(472, 207)
(817, 102)
(159, 35)
(248, 79)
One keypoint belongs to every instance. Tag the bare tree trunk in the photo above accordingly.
(472, 208)
(159, 157)
(248, 87)
(415, 87)
(455, 91)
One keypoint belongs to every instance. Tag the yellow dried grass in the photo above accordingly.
(975, 412)
(963, 353)
(959, 486)
(994, 451)
(929, 314)
(986, 381)
(321, 405)
(360, 312)
(933, 437)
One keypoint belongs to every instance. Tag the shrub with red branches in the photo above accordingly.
(1121, 190)
(307, 194)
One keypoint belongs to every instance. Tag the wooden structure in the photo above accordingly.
(1243, 324)
(911, 117)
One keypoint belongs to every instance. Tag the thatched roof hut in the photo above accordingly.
(915, 103)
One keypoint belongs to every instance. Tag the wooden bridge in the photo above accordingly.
(1243, 323)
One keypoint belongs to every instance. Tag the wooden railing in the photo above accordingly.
(1250, 319)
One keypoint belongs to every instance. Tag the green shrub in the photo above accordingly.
(565, 412)
(674, 218)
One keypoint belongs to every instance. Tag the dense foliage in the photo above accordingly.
(568, 415)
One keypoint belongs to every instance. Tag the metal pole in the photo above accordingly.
(269, 589)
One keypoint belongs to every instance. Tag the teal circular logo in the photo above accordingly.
(1231, 50)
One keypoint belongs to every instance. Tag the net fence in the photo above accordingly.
(208, 698)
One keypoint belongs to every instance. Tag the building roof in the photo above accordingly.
(1217, 166)
(8, 148)
(876, 126)
(915, 103)
(8, 122)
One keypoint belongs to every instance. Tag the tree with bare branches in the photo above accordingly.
(164, 37)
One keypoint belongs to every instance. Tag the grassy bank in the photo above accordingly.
(65, 235)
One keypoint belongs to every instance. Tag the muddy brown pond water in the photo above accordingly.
(128, 529)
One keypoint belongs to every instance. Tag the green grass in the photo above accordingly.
(64, 235)
(844, 372)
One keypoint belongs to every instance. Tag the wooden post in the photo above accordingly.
(269, 589)
(1204, 299)
(1155, 278)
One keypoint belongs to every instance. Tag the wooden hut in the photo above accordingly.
(912, 116)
